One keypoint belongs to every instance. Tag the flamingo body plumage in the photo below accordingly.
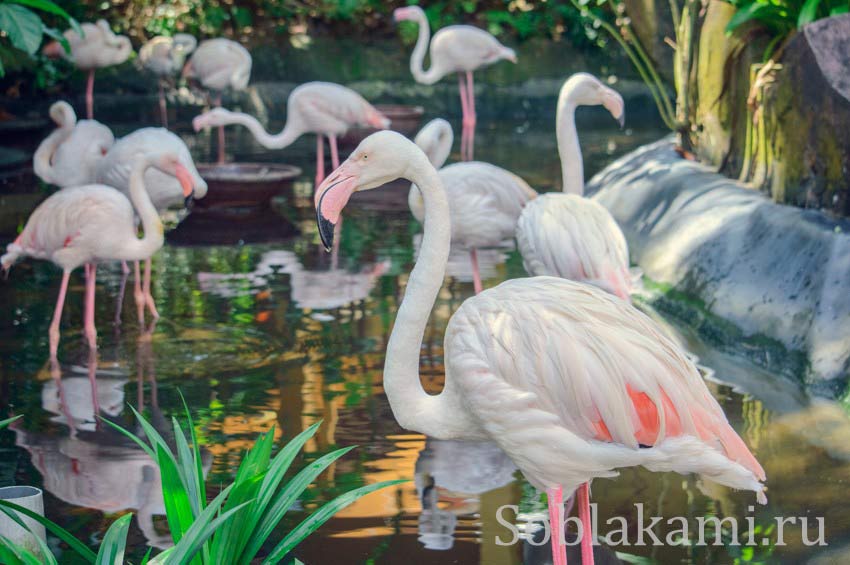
(220, 64)
(164, 56)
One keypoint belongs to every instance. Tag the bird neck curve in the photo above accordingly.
(417, 58)
(42, 160)
(441, 416)
(153, 237)
(572, 166)
(286, 137)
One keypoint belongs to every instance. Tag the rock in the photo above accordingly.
(777, 273)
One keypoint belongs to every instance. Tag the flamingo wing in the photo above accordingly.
(585, 375)
(465, 48)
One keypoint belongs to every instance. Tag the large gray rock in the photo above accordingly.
(774, 271)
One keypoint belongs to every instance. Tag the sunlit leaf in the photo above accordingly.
(111, 551)
(23, 27)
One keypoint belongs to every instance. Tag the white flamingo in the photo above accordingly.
(323, 108)
(70, 154)
(165, 190)
(220, 64)
(545, 367)
(485, 200)
(87, 224)
(97, 48)
(567, 235)
(164, 56)
(458, 49)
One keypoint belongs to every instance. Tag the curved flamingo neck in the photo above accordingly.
(42, 160)
(286, 137)
(441, 416)
(153, 233)
(417, 58)
(572, 166)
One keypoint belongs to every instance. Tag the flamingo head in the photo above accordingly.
(436, 140)
(171, 164)
(379, 159)
(215, 117)
(53, 50)
(584, 89)
(407, 13)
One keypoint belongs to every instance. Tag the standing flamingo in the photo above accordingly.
(545, 367)
(86, 224)
(98, 48)
(485, 200)
(567, 235)
(219, 64)
(165, 190)
(70, 154)
(458, 48)
(323, 108)
(164, 57)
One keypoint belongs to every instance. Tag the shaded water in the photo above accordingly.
(260, 332)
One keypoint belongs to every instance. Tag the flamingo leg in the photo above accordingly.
(90, 95)
(338, 227)
(139, 295)
(476, 274)
(57, 314)
(555, 498)
(220, 134)
(586, 526)
(320, 160)
(470, 127)
(163, 106)
(92, 373)
(334, 152)
(88, 317)
(146, 289)
(461, 85)
(119, 305)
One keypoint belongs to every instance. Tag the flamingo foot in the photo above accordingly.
(151, 304)
(586, 524)
(555, 497)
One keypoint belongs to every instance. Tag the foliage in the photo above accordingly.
(23, 29)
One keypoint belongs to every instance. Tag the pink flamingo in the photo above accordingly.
(219, 64)
(97, 49)
(458, 49)
(485, 200)
(323, 108)
(87, 224)
(70, 154)
(164, 57)
(567, 235)
(543, 366)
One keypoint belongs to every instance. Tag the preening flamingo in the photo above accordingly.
(165, 190)
(567, 235)
(571, 382)
(70, 154)
(87, 224)
(485, 200)
(100, 47)
(323, 108)
(164, 57)
(458, 49)
(220, 64)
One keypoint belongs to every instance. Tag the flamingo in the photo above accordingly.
(219, 64)
(485, 200)
(86, 224)
(458, 48)
(70, 154)
(323, 108)
(98, 48)
(164, 57)
(567, 235)
(545, 367)
(165, 190)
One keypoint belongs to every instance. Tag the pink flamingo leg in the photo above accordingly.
(470, 103)
(320, 160)
(57, 314)
(220, 135)
(163, 107)
(586, 526)
(146, 289)
(90, 95)
(338, 227)
(461, 85)
(93, 383)
(476, 274)
(119, 303)
(88, 318)
(334, 152)
(555, 498)
(139, 295)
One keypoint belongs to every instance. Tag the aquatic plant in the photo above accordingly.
(22, 29)
(234, 526)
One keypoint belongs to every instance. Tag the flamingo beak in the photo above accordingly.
(331, 197)
(401, 14)
(198, 123)
(52, 50)
(613, 102)
(186, 182)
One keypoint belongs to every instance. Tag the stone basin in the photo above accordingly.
(233, 185)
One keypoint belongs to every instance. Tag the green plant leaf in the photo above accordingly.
(23, 26)
(23, 553)
(808, 13)
(7, 421)
(178, 509)
(112, 547)
(838, 10)
(52, 527)
(320, 516)
(57, 35)
(186, 466)
(766, 14)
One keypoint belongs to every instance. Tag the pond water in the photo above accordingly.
(258, 331)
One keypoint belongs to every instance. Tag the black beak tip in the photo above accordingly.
(189, 201)
(622, 120)
(326, 231)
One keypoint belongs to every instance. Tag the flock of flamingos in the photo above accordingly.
(559, 369)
